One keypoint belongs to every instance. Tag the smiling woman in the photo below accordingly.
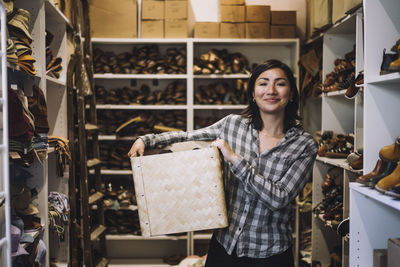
(269, 157)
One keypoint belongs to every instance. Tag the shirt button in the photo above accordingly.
(240, 229)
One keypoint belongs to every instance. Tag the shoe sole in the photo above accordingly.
(383, 191)
(366, 183)
(392, 194)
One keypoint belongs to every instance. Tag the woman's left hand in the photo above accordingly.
(225, 149)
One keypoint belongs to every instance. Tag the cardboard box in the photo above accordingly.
(152, 29)
(113, 21)
(176, 10)
(321, 13)
(180, 191)
(232, 14)
(258, 13)
(206, 30)
(232, 30)
(283, 31)
(232, 2)
(152, 10)
(176, 28)
(380, 258)
(393, 254)
(283, 17)
(257, 30)
(338, 11)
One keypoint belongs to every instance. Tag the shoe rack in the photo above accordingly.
(45, 16)
(256, 51)
(332, 111)
(375, 217)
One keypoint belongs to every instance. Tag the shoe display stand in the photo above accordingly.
(375, 217)
(45, 16)
(135, 248)
(332, 111)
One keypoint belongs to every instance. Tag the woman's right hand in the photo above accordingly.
(137, 148)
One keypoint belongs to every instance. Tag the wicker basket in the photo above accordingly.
(180, 192)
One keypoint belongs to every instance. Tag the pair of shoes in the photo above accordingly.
(355, 85)
(391, 61)
(338, 147)
(379, 169)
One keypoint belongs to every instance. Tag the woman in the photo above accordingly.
(269, 158)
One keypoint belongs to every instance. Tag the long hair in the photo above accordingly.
(252, 112)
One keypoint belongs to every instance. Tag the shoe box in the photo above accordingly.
(206, 30)
(105, 15)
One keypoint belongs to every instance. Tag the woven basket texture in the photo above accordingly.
(179, 192)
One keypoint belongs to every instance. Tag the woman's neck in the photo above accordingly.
(272, 125)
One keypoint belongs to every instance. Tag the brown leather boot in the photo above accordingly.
(378, 170)
(391, 152)
(389, 181)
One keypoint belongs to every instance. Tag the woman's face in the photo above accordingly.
(272, 91)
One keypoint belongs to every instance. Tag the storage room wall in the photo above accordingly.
(208, 10)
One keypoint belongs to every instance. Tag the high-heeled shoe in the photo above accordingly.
(391, 152)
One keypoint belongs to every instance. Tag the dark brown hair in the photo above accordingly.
(252, 111)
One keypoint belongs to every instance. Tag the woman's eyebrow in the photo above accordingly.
(277, 79)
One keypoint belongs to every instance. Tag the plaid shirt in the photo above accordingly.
(259, 187)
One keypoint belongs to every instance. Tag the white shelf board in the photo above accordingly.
(139, 76)
(55, 13)
(346, 25)
(53, 81)
(338, 163)
(219, 107)
(194, 40)
(137, 41)
(113, 172)
(222, 76)
(114, 137)
(142, 107)
(131, 207)
(376, 195)
(202, 236)
(247, 41)
(137, 237)
(334, 93)
(137, 263)
(386, 78)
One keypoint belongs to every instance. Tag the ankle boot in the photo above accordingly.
(379, 169)
(395, 65)
(390, 166)
(391, 152)
(389, 181)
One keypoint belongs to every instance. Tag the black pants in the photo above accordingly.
(217, 257)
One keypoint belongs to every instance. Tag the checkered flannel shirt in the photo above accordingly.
(259, 188)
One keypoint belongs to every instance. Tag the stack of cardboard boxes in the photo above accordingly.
(164, 19)
(252, 21)
(283, 24)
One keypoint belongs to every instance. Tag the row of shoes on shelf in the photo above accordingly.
(142, 60)
(391, 61)
(343, 76)
(113, 155)
(123, 123)
(385, 177)
(331, 207)
(221, 93)
(173, 94)
(119, 222)
(120, 198)
(333, 145)
(221, 62)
